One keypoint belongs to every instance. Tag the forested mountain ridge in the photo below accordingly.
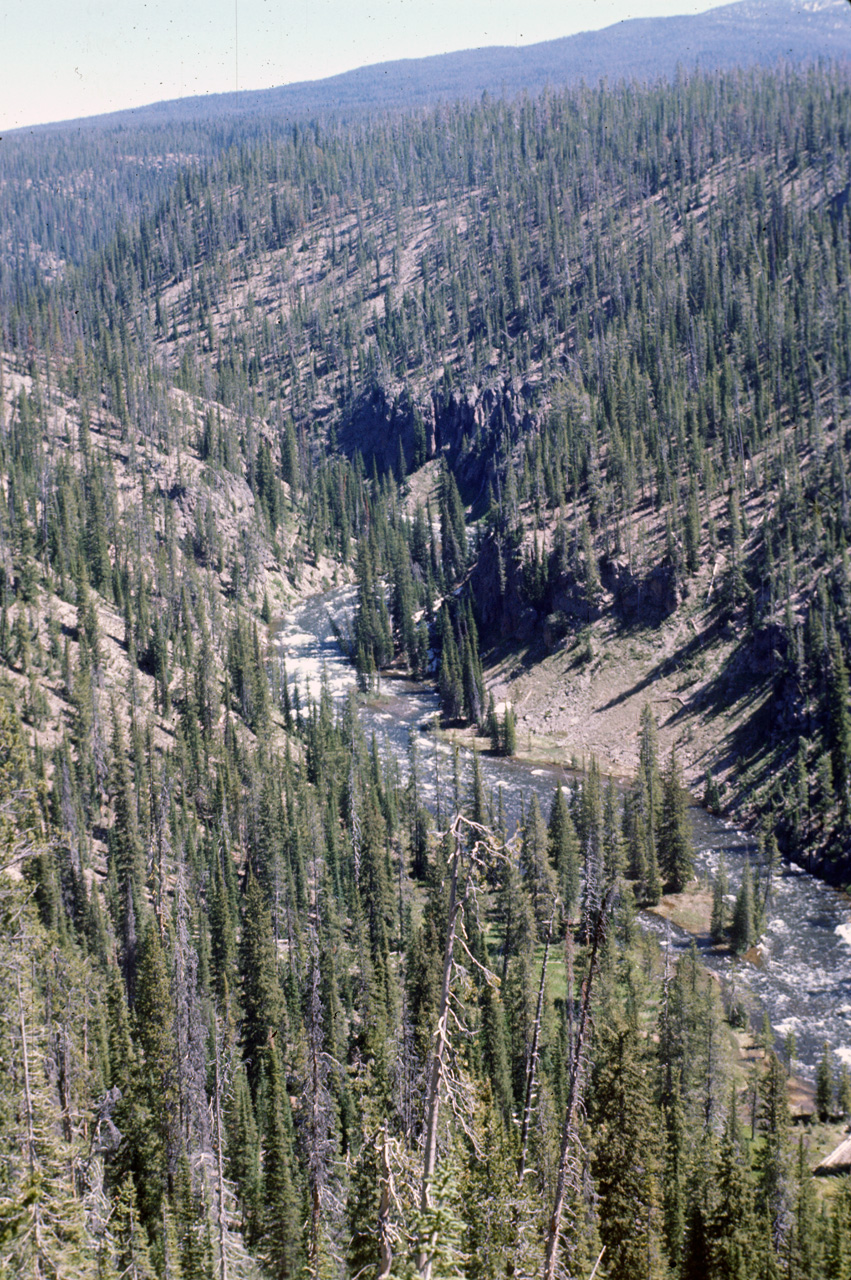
(745, 33)
(263, 1018)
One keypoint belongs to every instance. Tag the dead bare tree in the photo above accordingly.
(387, 1195)
(473, 851)
(233, 1261)
(569, 1138)
(532, 1065)
(218, 1094)
(318, 1108)
(190, 1030)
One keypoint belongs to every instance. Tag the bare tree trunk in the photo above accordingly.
(313, 1268)
(316, 1124)
(597, 1263)
(442, 1038)
(385, 1182)
(220, 1181)
(569, 967)
(568, 1132)
(28, 1101)
(533, 1061)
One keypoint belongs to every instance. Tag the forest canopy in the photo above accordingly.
(546, 371)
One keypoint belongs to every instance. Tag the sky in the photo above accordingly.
(62, 59)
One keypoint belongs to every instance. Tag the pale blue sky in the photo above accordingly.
(60, 59)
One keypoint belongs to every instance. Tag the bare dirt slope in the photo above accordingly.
(586, 698)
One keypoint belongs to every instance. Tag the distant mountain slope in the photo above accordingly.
(743, 34)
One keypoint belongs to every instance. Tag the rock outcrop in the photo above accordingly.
(470, 426)
(506, 613)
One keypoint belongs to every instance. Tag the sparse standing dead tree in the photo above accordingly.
(569, 1136)
(473, 850)
(319, 1107)
(531, 1068)
(219, 1092)
(386, 1197)
(25, 1059)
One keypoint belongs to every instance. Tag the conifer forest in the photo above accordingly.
(529, 380)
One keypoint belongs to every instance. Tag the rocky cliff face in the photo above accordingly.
(506, 613)
(642, 599)
(470, 426)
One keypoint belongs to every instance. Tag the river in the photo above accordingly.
(803, 978)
